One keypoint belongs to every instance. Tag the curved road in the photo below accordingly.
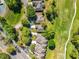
(69, 34)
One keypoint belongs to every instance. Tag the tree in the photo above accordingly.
(75, 41)
(49, 34)
(2, 21)
(74, 54)
(51, 44)
(14, 5)
(51, 15)
(4, 56)
(11, 49)
(30, 11)
(26, 36)
(26, 23)
(51, 12)
(10, 32)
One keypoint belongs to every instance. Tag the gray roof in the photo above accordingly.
(38, 4)
(41, 40)
(40, 48)
(40, 18)
(39, 28)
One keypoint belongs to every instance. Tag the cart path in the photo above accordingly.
(69, 34)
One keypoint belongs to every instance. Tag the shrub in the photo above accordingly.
(51, 44)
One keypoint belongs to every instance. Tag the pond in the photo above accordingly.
(2, 9)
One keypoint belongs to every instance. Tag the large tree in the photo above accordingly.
(75, 41)
(74, 54)
(26, 23)
(51, 44)
(26, 36)
(8, 29)
(30, 11)
(2, 22)
(4, 56)
(51, 12)
(11, 49)
(14, 5)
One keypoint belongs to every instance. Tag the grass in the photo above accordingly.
(69, 50)
(50, 54)
(74, 29)
(61, 28)
(14, 18)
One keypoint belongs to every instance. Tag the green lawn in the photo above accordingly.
(14, 18)
(61, 26)
(74, 30)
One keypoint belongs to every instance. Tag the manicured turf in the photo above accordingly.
(74, 30)
(61, 28)
(12, 18)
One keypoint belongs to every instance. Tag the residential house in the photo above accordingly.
(38, 5)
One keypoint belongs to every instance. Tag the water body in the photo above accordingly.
(2, 8)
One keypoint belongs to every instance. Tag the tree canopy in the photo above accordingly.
(25, 36)
(11, 49)
(4, 56)
(51, 12)
(51, 44)
(14, 5)
(26, 23)
(75, 41)
(74, 54)
(30, 11)
(10, 32)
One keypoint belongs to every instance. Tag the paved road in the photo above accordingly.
(69, 34)
(25, 55)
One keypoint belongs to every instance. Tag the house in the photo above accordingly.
(39, 28)
(40, 48)
(40, 18)
(41, 40)
(39, 51)
(38, 5)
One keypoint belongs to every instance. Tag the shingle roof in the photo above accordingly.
(38, 4)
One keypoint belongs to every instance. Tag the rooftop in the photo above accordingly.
(38, 5)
